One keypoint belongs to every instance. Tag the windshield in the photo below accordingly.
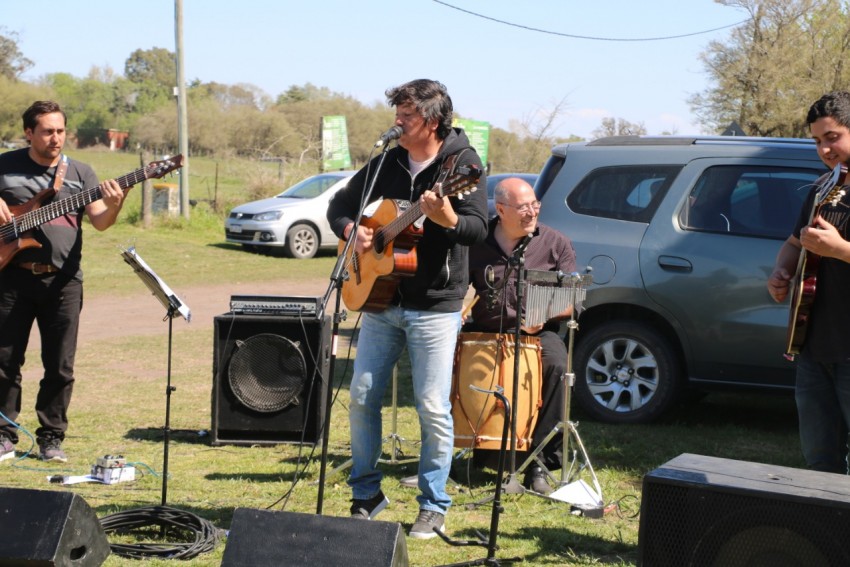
(311, 187)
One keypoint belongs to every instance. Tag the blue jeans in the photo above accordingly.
(823, 407)
(430, 338)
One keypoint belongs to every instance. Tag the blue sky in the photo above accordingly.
(494, 72)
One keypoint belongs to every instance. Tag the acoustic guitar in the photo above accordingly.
(374, 276)
(16, 235)
(804, 283)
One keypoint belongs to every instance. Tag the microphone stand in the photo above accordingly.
(517, 261)
(497, 502)
(338, 275)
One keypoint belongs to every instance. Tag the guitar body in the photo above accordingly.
(374, 276)
(11, 245)
(802, 296)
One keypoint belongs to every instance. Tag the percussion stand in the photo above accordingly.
(567, 428)
(397, 456)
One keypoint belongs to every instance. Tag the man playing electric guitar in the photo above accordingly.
(423, 313)
(44, 283)
(822, 389)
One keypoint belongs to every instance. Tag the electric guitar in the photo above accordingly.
(15, 235)
(374, 276)
(804, 283)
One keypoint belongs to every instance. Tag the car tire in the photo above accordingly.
(626, 372)
(302, 241)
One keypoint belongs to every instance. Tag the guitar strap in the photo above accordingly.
(61, 170)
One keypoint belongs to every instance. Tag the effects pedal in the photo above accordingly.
(111, 469)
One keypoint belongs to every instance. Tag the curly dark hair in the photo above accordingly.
(39, 108)
(431, 100)
(835, 105)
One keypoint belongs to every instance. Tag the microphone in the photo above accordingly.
(393, 133)
(520, 249)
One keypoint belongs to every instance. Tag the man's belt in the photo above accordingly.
(37, 268)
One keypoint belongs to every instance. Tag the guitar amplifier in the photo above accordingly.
(278, 305)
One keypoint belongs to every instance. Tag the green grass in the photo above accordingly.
(119, 408)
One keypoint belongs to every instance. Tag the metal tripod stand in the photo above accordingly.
(396, 441)
(591, 503)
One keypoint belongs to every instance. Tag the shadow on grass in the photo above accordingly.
(191, 436)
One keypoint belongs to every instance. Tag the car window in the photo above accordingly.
(629, 193)
(311, 187)
(747, 200)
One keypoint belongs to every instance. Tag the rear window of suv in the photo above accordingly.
(629, 193)
(747, 200)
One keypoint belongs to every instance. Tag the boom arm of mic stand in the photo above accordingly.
(337, 277)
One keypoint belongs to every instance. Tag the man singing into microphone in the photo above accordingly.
(517, 209)
(424, 315)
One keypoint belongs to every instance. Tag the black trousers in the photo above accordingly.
(54, 301)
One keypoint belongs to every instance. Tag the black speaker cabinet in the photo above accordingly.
(700, 511)
(259, 538)
(270, 376)
(46, 528)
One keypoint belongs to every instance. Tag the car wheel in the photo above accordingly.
(301, 241)
(625, 373)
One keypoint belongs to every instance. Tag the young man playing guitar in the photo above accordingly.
(44, 283)
(423, 308)
(822, 390)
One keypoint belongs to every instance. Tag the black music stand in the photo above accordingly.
(174, 308)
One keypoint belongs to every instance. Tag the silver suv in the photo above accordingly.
(679, 235)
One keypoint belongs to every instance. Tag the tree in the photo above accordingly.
(153, 73)
(784, 57)
(12, 62)
(618, 127)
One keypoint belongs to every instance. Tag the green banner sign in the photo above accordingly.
(335, 153)
(478, 133)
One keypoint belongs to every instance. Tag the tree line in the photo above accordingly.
(763, 76)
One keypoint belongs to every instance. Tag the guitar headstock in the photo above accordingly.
(462, 182)
(157, 169)
(833, 188)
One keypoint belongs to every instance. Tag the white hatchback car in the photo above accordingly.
(293, 222)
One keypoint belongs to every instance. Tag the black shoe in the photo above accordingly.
(51, 450)
(535, 480)
(368, 509)
(426, 524)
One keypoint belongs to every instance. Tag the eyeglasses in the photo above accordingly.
(525, 208)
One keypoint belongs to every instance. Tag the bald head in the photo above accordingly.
(517, 207)
(512, 187)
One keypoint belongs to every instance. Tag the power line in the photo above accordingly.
(573, 36)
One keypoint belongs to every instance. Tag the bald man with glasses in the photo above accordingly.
(517, 210)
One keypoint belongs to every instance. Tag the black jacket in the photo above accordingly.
(441, 277)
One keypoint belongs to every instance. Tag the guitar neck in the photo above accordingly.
(56, 209)
(391, 230)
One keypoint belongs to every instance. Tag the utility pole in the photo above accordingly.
(182, 119)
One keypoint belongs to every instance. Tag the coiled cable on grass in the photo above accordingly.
(197, 534)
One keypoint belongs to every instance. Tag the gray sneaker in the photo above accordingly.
(51, 450)
(7, 448)
(369, 508)
(426, 522)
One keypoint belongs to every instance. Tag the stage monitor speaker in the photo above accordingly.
(259, 538)
(270, 376)
(46, 528)
(706, 511)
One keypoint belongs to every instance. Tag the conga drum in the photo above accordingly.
(486, 360)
